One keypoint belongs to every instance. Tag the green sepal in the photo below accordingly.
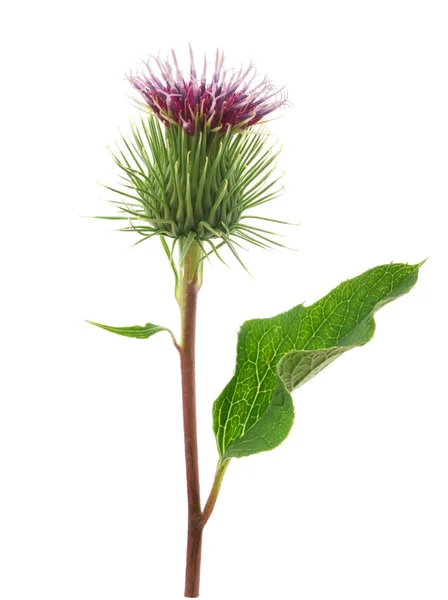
(254, 412)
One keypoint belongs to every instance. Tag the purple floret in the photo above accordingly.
(232, 98)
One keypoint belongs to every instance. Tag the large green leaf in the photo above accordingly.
(254, 412)
(142, 332)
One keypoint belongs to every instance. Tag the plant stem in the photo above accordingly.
(187, 289)
(189, 284)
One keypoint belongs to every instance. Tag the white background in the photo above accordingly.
(354, 504)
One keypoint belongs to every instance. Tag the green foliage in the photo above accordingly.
(195, 187)
(255, 413)
(135, 331)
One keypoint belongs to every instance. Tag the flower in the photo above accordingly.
(194, 166)
(232, 98)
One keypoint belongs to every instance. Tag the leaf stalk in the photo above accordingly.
(211, 501)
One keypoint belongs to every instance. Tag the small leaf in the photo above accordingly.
(254, 412)
(135, 331)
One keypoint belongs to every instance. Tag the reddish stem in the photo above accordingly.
(188, 293)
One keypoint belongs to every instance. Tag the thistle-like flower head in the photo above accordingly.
(235, 98)
(194, 166)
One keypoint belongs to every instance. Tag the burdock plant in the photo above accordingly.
(192, 171)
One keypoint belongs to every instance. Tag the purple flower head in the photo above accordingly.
(232, 98)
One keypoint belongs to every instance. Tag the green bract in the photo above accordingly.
(195, 187)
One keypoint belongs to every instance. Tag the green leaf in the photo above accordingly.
(254, 412)
(135, 331)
